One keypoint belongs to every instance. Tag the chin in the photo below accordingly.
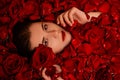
(68, 39)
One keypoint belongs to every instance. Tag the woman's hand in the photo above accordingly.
(45, 76)
(71, 15)
(58, 70)
(75, 14)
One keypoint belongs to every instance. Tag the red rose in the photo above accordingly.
(96, 2)
(105, 19)
(107, 45)
(51, 71)
(3, 3)
(71, 77)
(49, 18)
(42, 57)
(115, 64)
(29, 8)
(105, 7)
(4, 19)
(117, 77)
(95, 34)
(46, 8)
(115, 3)
(79, 59)
(35, 16)
(82, 2)
(72, 4)
(65, 54)
(3, 50)
(12, 64)
(103, 74)
(89, 7)
(110, 43)
(81, 64)
(69, 65)
(97, 61)
(115, 13)
(3, 32)
(26, 73)
(87, 48)
(15, 8)
(10, 46)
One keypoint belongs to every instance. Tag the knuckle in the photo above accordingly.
(73, 8)
(69, 14)
(57, 18)
(64, 15)
(60, 16)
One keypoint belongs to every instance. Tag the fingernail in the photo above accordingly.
(72, 22)
(64, 25)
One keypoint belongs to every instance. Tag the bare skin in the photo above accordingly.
(74, 13)
(49, 34)
(68, 17)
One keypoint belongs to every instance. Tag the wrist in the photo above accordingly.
(93, 14)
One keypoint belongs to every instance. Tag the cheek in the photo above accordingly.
(56, 45)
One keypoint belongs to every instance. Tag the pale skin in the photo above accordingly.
(51, 33)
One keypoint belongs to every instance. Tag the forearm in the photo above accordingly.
(93, 14)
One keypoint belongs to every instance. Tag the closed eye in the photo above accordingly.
(45, 42)
(44, 26)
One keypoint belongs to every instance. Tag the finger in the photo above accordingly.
(44, 75)
(62, 20)
(70, 14)
(58, 20)
(66, 18)
(58, 69)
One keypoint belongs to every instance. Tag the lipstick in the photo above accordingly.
(63, 35)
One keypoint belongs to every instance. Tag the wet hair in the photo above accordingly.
(21, 38)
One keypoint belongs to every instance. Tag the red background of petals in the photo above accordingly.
(94, 53)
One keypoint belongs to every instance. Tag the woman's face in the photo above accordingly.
(49, 34)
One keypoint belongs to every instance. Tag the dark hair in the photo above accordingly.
(21, 38)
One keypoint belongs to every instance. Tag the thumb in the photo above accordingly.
(44, 75)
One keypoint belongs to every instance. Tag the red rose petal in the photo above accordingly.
(96, 2)
(88, 49)
(89, 7)
(105, 7)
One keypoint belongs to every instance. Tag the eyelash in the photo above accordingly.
(45, 26)
(45, 42)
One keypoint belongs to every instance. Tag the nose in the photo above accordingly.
(53, 33)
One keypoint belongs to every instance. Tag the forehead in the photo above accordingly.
(35, 34)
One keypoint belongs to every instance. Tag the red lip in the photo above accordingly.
(63, 35)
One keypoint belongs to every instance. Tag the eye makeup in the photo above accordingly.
(44, 40)
(44, 26)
